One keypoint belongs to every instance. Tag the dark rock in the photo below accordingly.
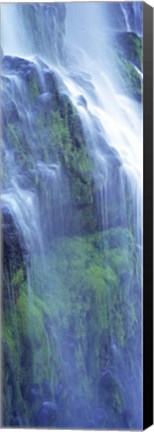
(46, 389)
(16, 421)
(47, 414)
(17, 64)
(12, 235)
(111, 155)
(82, 101)
(14, 251)
(11, 112)
(130, 45)
(51, 81)
(27, 71)
(84, 81)
(59, 391)
(34, 392)
(44, 98)
(43, 103)
(91, 424)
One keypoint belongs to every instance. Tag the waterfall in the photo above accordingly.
(72, 214)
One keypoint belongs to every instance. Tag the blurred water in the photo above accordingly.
(112, 124)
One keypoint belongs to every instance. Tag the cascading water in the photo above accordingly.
(72, 214)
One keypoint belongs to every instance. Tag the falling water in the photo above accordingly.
(74, 47)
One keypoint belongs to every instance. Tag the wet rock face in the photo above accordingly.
(16, 421)
(54, 136)
(58, 130)
(130, 45)
(47, 415)
(128, 62)
(17, 64)
(12, 238)
(82, 101)
(46, 389)
(15, 257)
(11, 114)
(66, 298)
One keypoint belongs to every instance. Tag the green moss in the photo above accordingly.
(18, 278)
(130, 78)
(56, 138)
(33, 85)
(81, 301)
(128, 53)
(130, 46)
(30, 319)
(12, 377)
(13, 136)
(85, 276)
(26, 353)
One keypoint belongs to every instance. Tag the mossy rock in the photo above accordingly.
(25, 349)
(128, 59)
(130, 46)
(130, 78)
(57, 138)
(81, 309)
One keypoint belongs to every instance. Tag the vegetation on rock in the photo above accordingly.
(71, 283)
(79, 299)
